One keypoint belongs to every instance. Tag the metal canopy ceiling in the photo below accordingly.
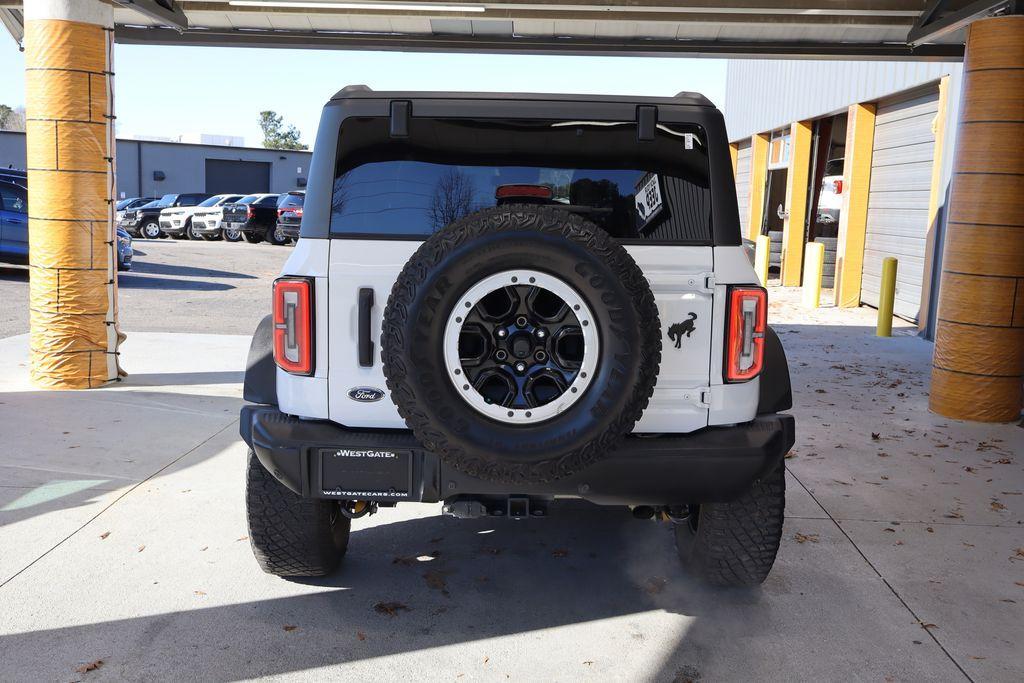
(866, 29)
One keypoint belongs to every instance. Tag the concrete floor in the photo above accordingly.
(902, 559)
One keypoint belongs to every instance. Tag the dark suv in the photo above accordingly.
(289, 214)
(255, 216)
(500, 301)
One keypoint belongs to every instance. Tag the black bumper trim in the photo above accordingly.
(714, 464)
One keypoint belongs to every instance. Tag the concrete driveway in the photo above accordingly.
(123, 546)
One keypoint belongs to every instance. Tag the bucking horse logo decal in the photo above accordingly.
(676, 331)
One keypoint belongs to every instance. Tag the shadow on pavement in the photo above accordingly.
(132, 281)
(148, 268)
(415, 585)
(183, 379)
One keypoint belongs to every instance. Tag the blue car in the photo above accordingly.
(14, 223)
(13, 219)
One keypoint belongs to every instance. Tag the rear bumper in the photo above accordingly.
(289, 229)
(714, 464)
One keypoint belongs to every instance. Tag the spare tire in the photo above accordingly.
(521, 343)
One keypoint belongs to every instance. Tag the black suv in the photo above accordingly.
(255, 215)
(500, 301)
(289, 215)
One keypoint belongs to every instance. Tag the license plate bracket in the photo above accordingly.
(365, 473)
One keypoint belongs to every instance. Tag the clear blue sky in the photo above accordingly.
(167, 91)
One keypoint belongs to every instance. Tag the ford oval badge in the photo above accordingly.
(365, 394)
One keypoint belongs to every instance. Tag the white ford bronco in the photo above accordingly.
(502, 300)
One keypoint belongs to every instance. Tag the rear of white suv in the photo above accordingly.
(500, 301)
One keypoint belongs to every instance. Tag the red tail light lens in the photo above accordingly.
(298, 212)
(747, 321)
(531, 191)
(837, 186)
(293, 325)
(249, 213)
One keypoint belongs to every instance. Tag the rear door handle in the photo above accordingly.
(365, 340)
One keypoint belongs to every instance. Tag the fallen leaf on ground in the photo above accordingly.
(789, 455)
(996, 505)
(199, 592)
(390, 608)
(978, 658)
(1019, 583)
(926, 625)
(875, 436)
(655, 584)
(289, 628)
(243, 538)
(141, 548)
(436, 579)
(804, 538)
(104, 535)
(589, 662)
(360, 635)
(486, 659)
(929, 530)
(889, 529)
(91, 666)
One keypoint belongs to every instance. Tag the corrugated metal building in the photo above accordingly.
(150, 168)
(906, 113)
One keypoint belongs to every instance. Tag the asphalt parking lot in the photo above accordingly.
(124, 542)
(175, 286)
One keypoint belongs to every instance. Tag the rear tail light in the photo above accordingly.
(279, 212)
(837, 186)
(293, 325)
(532, 191)
(747, 320)
(298, 212)
(249, 212)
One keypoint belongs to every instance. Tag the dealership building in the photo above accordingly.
(882, 134)
(149, 168)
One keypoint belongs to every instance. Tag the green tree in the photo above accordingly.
(12, 119)
(275, 135)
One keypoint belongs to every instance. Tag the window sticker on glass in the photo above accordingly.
(648, 199)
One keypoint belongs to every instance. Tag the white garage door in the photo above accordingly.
(743, 185)
(901, 176)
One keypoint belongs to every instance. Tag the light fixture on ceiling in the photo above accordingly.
(383, 6)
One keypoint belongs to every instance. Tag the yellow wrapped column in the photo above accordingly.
(70, 154)
(978, 365)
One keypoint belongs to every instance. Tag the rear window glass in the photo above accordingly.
(290, 199)
(447, 169)
(269, 200)
(248, 199)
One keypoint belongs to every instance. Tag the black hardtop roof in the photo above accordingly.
(365, 92)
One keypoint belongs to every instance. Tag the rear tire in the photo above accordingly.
(252, 238)
(291, 535)
(150, 230)
(735, 543)
(276, 237)
(231, 235)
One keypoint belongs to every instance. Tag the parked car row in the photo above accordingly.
(14, 222)
(255, 218)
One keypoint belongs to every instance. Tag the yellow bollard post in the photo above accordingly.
(762, 252)
(886, 297)
(814, 263)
